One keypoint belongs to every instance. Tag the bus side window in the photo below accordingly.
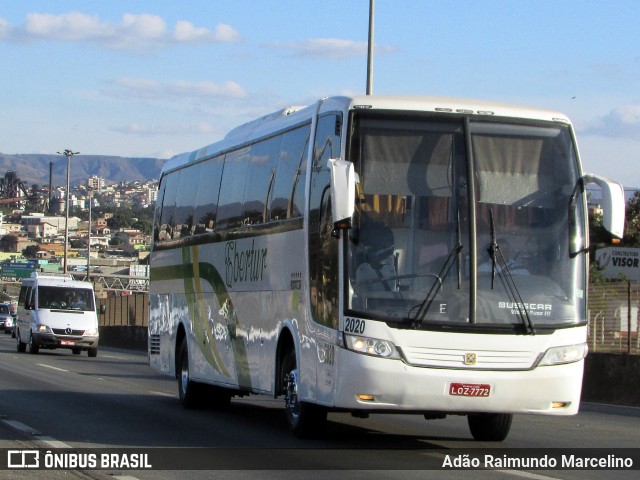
(232, 186)
(287, 199)
(167, 214)
(259, 180)
(323, 248)
(159, 199)
(207, 197)
(185, 201)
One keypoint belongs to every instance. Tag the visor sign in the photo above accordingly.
(619, 261)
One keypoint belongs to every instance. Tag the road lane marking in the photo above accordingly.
(52, 367)
(21, 427)
(51, 442)
(162, 394)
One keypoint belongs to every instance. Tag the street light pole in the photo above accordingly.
(89, 240)
(370, 49)
(67, 153)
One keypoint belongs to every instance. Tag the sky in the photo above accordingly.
(153, 78)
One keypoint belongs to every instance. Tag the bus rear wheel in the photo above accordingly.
(304, 419)
(187, 389)
(489, 427)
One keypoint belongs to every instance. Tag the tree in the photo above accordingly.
(144, 225)
(632, 222)
(31, 251)
(121, 219)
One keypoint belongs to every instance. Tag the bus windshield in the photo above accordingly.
(464, 223)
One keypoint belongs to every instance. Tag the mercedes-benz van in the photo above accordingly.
(57, 311)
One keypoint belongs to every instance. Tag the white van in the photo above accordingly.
(56, 311)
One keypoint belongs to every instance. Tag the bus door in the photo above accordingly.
(323, 258)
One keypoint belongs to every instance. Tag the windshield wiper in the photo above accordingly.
(493, 249)
(507, 280)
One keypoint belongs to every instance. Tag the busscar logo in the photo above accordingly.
(470, 358)
(23, 459)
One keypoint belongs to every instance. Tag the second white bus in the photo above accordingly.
(379, 254)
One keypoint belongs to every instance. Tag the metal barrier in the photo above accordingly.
(613, 317)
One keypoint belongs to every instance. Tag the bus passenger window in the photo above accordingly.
(206, 209)
(167, 215)
(259, 180)
(232, 186)
(287, 199)
(185, 200)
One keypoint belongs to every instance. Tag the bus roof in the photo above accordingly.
(295, 115)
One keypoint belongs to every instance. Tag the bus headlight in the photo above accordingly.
(91, 332)
(43, 329)
(371, 346)
(566, 354)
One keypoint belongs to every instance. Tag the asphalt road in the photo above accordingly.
(58, 400)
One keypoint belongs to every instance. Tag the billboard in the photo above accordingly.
(619, 260)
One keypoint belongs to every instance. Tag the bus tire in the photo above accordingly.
(489, 427)
(188, 390)
(33, 346)
(22, 347)
(305, 419)
(92, 352)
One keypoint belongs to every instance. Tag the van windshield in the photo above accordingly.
(66, 298)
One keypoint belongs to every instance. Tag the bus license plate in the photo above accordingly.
(67, 343)
(469, 389)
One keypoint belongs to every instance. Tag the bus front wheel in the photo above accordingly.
(304, 419)
(490, 427)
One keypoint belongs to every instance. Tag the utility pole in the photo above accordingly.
(370, 49)
(89, 238)
(67, 153)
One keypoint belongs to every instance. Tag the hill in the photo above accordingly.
(34, 168)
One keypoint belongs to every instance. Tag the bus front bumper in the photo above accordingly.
(379, 384)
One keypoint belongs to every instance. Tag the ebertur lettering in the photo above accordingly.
(244, 265)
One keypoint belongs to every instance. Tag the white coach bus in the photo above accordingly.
(379, 254)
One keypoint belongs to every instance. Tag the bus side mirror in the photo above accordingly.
(343, 192)
(103, 309)
(613, 203)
